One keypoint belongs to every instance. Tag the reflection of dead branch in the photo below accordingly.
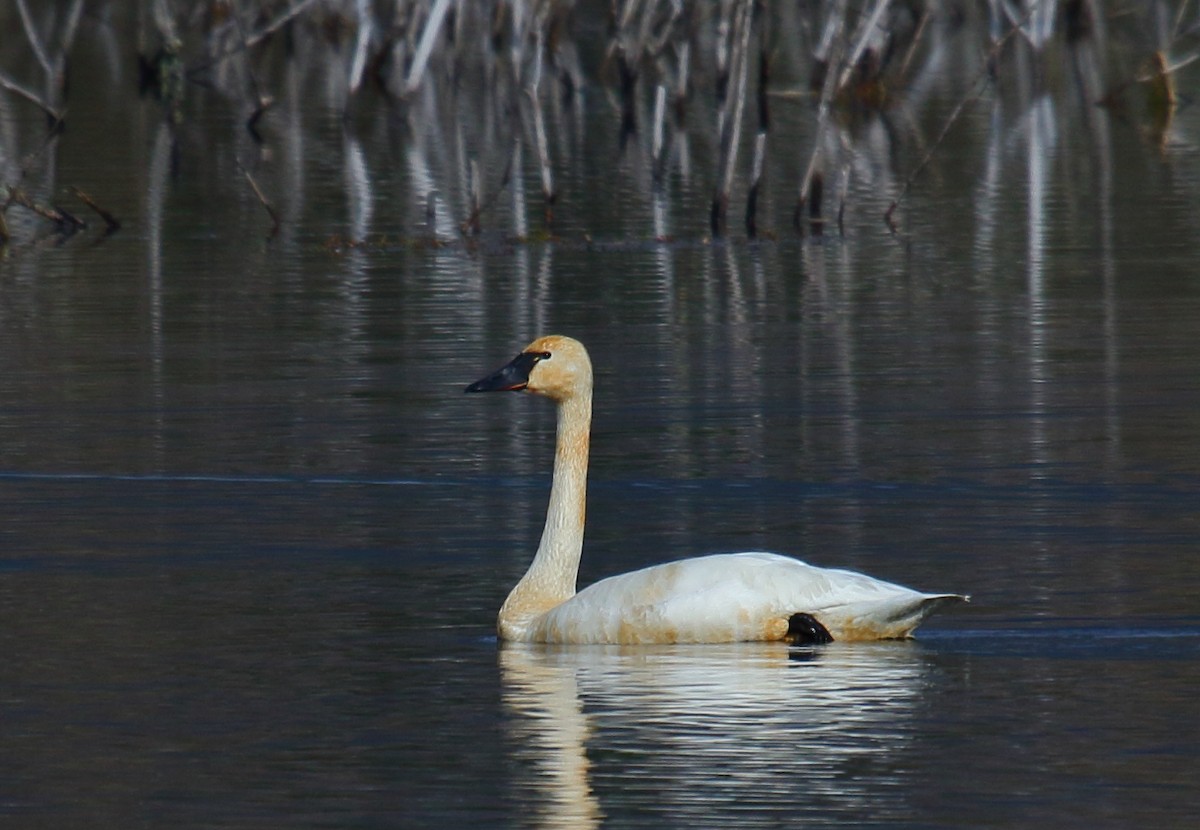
(31, 96)
(112, 224)
(760, 152)
(657, 156)
(731, 114)
(812, 173)
(433, 25)
(867, 30)
(65, 221)
(262, 200)
(978, 88)
(256, 37)
(262, 102)
(539, 128)
(53, 64)
(35, 41)
(471, 225)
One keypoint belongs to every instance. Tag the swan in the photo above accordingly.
(719, 598)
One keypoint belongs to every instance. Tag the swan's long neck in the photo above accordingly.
(551, 577)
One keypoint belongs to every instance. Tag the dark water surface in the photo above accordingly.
(253, 536)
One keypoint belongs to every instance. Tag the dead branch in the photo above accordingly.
(29, 95)
(760, 153)
(471, 226)
(731, 112)
(262, 200)
(65, 221)
(980, 86)
(539, 127)
(112, 224)
(433, 26)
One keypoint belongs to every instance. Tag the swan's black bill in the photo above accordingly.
(512, 377)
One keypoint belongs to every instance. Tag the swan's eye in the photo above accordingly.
(543, 355)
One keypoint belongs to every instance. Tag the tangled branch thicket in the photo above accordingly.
(739, 58)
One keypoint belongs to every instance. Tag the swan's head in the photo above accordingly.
(555, 366)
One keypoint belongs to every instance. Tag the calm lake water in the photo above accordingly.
(253, 536)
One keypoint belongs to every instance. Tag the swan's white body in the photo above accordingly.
(708, 599)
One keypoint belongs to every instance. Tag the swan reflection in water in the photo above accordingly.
(711, 733)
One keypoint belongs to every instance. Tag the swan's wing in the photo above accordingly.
(731, 597)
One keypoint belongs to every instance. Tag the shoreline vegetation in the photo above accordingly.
(665, 68)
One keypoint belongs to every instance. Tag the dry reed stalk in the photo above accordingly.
(866, 30)
(433, 25)
(764, 80)
(812, 172)
(539, 131)
(475, 191)
(760, 152)
(657, 154)
(681, 82)
(361, 41)
(731, 115)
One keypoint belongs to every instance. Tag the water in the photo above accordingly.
(253, 536)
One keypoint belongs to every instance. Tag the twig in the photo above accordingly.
(276, 24)
(980, 82)
(66, 221)
(255, 37)
(264, 202)
(926, 16)
(35, 40)
(860, 46)
(31, 96)
(111, 222)
(471, 225)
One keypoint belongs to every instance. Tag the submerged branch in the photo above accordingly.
(65, 221)
(112, 224)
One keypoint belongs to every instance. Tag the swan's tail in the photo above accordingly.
(889, 619)
(932, 603)
(912, 616)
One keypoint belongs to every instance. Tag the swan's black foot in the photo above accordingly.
(805, 629)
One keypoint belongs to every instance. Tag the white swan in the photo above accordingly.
(709, 599)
